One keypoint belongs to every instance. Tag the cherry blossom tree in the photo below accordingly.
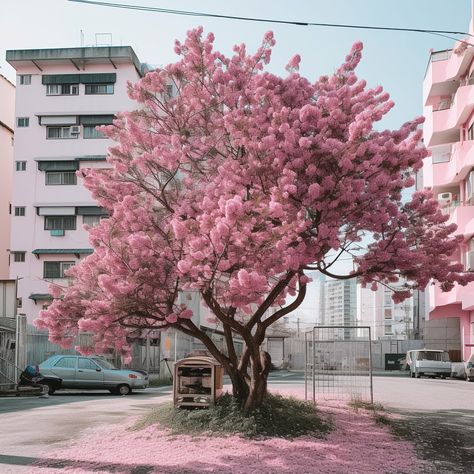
(232, 188)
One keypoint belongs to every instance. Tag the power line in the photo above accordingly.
(443, 33)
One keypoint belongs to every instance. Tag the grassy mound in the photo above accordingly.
(278, 417)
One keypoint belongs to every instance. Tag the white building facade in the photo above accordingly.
(62, 95)
(388, 320)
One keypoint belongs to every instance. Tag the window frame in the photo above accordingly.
(61, 128)
(62, 226)
(20, 165)
(89, 88)
(62, 178)
(61, 267)
(24, 79)
(73, 89)
(19, 256)
(96, 135)
(19, 211)
(23, 122)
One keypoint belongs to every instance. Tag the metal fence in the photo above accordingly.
(145, 356)
(338, 363)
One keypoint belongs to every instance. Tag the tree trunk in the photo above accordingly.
(258, 382)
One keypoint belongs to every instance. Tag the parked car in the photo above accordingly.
(93, 373)
(469, 369)
(433, 363)
(464, 370)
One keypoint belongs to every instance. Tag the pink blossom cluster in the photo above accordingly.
(239, 183)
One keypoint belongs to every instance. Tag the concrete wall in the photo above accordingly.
(444, 334)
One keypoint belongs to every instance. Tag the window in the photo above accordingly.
(388, 329)
(24, 79)
(91, 221)
(62, 89)
(66, 363)
(387, 299)
(56, 269)
(23, 122)
(388, 313)
(55, 133)
(59, 222)
(86, 364)
(19, 302)
(53, 178)
(19, 256)
(20, 165)
(95, 89)
(470, 132)
(20, 211)
(90, 131)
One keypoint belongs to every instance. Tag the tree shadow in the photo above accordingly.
(445, 438)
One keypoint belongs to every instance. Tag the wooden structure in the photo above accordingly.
(198, 381)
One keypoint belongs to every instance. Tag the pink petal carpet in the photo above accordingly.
(357, 444)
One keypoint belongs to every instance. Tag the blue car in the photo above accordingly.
(81, 372)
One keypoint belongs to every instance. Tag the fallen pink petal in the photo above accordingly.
(356, 445)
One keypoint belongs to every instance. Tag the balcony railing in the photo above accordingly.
(443, 105)
(448, 207)
(441, 157)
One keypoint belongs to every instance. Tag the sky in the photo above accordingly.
(395, 60)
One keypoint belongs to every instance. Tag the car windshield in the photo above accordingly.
(104, 364)
(436, 356)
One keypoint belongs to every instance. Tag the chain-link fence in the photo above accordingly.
(338, 363)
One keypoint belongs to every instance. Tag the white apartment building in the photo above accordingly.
(61, 96)
(7, 114)
(386, 319)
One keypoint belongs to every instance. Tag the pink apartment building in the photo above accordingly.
(61, 96)
(7, 114)
(448, 96)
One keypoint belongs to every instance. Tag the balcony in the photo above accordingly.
(463, 295)
(442, 125)
(448, 165)
(463, 217)
(444, 71)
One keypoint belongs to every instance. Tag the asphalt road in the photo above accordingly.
(437, 414)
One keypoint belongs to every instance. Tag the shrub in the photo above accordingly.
(277, 417)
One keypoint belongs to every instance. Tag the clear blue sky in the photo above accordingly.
(397, 61)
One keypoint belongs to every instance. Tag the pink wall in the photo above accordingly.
(446, 77)
(7, 108)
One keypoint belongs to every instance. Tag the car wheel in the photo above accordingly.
(123, 389)
(51, 388)
(412, 375)
(442, 377)
(470, 379)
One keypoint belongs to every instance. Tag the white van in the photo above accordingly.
(429, 362)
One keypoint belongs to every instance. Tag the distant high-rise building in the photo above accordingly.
(387, 320)
(340, 303)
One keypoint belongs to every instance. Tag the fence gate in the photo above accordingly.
(338, 363)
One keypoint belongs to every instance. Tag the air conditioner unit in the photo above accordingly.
(445, 197)
(57, 232)
(75, 129)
